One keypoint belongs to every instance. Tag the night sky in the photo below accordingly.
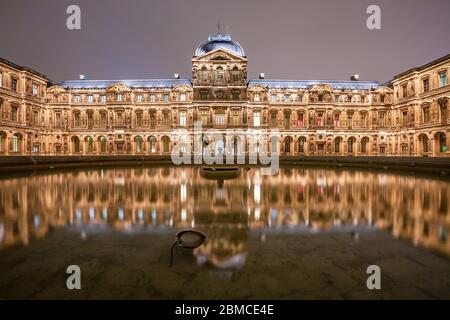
(285, 39)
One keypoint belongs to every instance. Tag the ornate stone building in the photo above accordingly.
(408, 117)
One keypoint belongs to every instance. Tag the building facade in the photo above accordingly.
(408, 117)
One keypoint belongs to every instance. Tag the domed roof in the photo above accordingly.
(220, 42)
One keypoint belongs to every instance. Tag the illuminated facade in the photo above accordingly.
(409, 117)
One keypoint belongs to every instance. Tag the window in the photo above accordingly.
(426, 85)
(103, 119)
(139, 98)
(152, 98)
(320, 119)
(257, 119)
(152, 142)
(336, 120)
(442, 79)
(257, 97)
(138, 143)
(119, 119)
(236, 119)
(350, 145)
(404, 91)
(236, 95)
(166, 144)
(204, 74)
(301, 145)
(337, 145)
(287, 119)
(204, 117)
(58, 119)
(89, 144)
(350, 120)
(219, 119)
(301, 119)
(90, 98)
(1, 142)
(183, 97)
(273, 119)
(405, 118)
(166, 118)
(14, 113)
(166, 98)
(103, 99)
(273, 98)
(76, 144)
(182, 118)
(90, 120)
(13, 84)
(35, 90)
(15, 143)
(35, 117)
(363, 120)
(220, 77)
(1, 79)
(382, 120)
(287, 98)
(77, 120)
(139, 119)
(102, 144)
(235, 74)
(203, 95)
(119, 97)
(426, 114)
(77, 99)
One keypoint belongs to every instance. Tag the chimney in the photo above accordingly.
(176, 76)
(82, 77)
(355, 77)
(261, 76)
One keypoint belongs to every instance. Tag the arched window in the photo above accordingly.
(152, 142)
(204, 74)
(220, 76)
(76, 119)
(337, 145)
(364, 143)
(76, 144)
(103, 144)
(90, 119)
(2, 141)
(442, 142)
(138, 143)
(424, 143)
(287, 145)
(350, 145)
(166, 144)
(235, 74)
(15, 143)
(89, 144)
(301, 145)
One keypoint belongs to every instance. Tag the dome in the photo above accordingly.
(220, 42)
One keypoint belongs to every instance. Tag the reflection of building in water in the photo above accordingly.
(294, 200)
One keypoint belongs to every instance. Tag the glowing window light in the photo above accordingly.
(183, 215)
(91, 213)
(37, 221)
(2, 232)
(257, 214)
(105, 213)
(121, 214)
(183, 192)
(78, 214)
(154, 215)
(140, 214)
(257, 193)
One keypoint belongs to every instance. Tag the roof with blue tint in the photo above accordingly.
(103, 84)
(220, 42)
(306, 84)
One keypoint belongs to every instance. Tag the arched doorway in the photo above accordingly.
(337, 145)
(138, 144)
(424, 142)
(440, 142)
(89, 144)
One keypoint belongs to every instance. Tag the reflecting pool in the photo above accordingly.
(303, 233)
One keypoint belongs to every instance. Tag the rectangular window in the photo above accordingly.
(77, 120)
(301, 119)
(426, 85)
(152, 98)
(119, 97)
(119, 119)
(257, 119)
(103, 119)
(35, 90)
(166, 119)
(14, 113)
(103, 99)
(182, 118)
(236, 95)
(166, 98)
(58, 119)
(337, 120)
(405, 118)
(236, 119)
(183, 97)
(442, 79)
(35, 117)
(426, 114)
(257, 97)
(139, 98)
(363, 121)
(1, 79)
(404, 91)
(14, 84)
(350, 120)
(382, 120)
(273, 119)
(90, 98)
(204, 117)
(76, 99)
(287, 98)
(273, 98)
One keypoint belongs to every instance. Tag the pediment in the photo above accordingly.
(219, 55)
(118, 87)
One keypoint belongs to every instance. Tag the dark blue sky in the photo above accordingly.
(291, 39)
